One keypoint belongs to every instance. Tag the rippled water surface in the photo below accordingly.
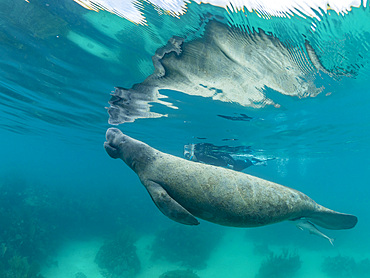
(290, 92)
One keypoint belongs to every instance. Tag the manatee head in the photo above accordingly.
(134, 153)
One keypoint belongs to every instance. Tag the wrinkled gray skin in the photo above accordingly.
(183, 190)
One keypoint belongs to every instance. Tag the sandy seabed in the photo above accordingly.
(233, 257)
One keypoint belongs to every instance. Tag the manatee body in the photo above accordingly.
(184, 190)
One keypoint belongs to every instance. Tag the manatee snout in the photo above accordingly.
(115, 138)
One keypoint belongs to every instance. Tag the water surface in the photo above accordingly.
(61, 195)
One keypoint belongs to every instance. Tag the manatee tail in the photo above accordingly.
(332, 220)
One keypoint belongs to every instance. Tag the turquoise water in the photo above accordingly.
(68, 210)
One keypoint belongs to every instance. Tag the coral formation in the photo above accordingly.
(191, 246)
(345, 266)
(280, 266)
(339, 266)
(18, 267)
(363, 268)
(179, 274)
(80, 275)
(117, 257)
(35, 218)
(25, 237)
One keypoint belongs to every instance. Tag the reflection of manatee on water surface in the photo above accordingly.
(226, 64)
(184, 190)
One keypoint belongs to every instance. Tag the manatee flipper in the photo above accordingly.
(169, 206)
(333, 220)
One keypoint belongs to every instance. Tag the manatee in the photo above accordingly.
(185, 190)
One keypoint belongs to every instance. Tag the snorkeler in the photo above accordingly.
(236, 158)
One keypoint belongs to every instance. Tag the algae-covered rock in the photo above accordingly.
(117, 257)
(339, 266)
(363, 268)
(280, 266)
(345, 266)
(190, 246)
(179, 274)
(18, 267)
(80, 275)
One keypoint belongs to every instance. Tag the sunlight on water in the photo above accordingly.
(276, 90)
(134, 11)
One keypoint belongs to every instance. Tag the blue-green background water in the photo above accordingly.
(58, 64)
